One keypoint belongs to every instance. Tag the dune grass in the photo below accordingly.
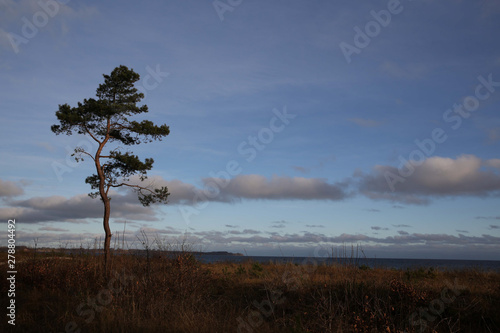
(180, 294)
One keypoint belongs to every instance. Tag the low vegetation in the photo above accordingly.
(57, 292)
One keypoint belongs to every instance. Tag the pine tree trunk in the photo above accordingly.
(107, 239)
(107, 207)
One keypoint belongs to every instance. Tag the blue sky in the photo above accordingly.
(370, 122)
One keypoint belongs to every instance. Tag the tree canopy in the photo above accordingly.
(105, 120)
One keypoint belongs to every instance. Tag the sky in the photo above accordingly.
(297, 128)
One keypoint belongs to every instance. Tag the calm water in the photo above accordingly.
(373, 263)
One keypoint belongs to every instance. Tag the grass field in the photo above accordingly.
(61, 293)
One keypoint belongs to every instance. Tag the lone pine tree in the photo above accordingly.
(105, 120)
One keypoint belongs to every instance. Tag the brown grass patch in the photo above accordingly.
(180, 294)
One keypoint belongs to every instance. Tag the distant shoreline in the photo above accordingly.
(118, 251)
(23, 248)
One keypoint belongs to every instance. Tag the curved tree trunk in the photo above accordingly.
(107, 207)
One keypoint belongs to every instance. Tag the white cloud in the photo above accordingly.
(278, 188)
(251, 187)
(52, 229)
(493, 163)
(436, 176)
(378, 228)
(10, 189)
(76, 209)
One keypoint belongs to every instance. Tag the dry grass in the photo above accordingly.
(179, 294)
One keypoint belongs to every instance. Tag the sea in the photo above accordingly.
(387, 263)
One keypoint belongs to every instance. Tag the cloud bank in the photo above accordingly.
(467, 175)
(277, 188)
(438, 246)
(253, 187)
(76, 209)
